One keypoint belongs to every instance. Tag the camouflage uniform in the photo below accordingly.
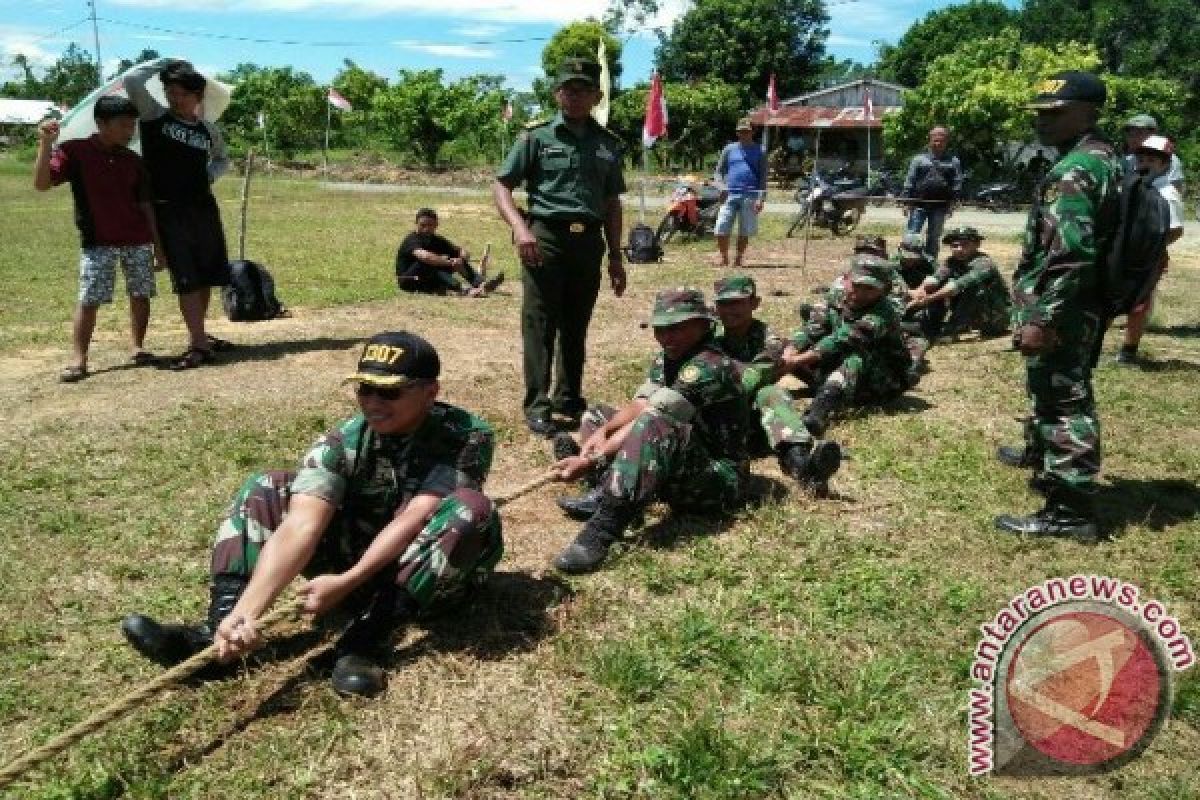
(981, 300)
(369, 478)
(1055, 286)
(911, 261)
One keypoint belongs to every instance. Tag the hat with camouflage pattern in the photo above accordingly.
(962, 233)
(912, 244)
(672, 306)
(735, 287)
(869, 270)
(874, 245)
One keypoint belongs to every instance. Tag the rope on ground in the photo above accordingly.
(525, 488)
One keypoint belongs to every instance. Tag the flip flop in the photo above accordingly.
(193, 357)
(143, 358)
(219, 345)
(72, 374)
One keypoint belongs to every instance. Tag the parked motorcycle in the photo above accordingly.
(829, 206)
(1002, 196)
(690, 211)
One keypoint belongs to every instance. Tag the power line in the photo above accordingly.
(62, 30)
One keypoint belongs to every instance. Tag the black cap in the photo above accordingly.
(395, 358)
(579, 69)
(1070, 86)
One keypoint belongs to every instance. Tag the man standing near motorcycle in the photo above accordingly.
(931, 188)
(742, 170)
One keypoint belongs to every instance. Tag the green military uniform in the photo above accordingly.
(980, 300)
(912, 262)
(571, 176)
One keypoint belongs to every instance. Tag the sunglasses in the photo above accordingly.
(385, 392)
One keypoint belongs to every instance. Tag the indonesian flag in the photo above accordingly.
(772, 96)
(507, 113)
(337, 101)
(868, 106)
(655, 126)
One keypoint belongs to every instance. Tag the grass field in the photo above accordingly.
(798, 649)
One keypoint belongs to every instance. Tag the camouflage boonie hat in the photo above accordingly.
(869, 270)
(735, 287)
(913, 243)
(672, 306)
(579, 69)
(962, 233)
(873, 245)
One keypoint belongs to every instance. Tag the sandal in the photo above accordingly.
(72, 374)
(218, 345)
(192, 358)
(143, 358)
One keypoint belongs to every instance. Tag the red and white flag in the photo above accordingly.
(655, 126)
(507, 113)
(772, 96)
(337, 101)
(868, 106)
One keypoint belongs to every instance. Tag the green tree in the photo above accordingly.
(147, 54)
(72, 77)
(833, 71)
(28, 86)
(629, 14)
(741, 42)
(939, 33)
(358, 85)
(420, 113)
(291, 100)
(702, 116)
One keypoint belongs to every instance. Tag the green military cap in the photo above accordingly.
(672, 306)
(1142, 121)
(869, 270)
(1069, 86)
(962, 233)
(735, 287)
(874, 245)
(579, 69)
(913, 244)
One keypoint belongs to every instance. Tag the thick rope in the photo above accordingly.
(183, 671)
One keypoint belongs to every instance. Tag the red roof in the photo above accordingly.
(820, 117)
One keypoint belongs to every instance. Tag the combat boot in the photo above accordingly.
(581, 507)
(590, 547)
(564, 446)
(1020, 457)
(811, 465)
(168, 645)
(1067, 514)
(826, 401)
(367, 642)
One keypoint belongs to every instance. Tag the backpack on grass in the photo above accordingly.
(643, 247)
(250, 295)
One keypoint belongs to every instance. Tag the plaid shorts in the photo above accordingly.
(98, 272)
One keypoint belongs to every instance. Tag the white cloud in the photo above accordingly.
(500, 11)
(16, 41)
(154, 37)
(449, 50)
(478, 31)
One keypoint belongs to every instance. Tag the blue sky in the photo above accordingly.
(460, 36)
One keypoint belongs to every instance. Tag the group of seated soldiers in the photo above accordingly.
(711, 401)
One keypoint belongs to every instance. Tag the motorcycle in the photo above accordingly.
(836, 206)
(690, 212)
(1001, 196)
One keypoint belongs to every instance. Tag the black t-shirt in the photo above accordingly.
(177, 155)
(406, 259)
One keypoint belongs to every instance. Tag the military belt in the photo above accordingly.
(568, 225)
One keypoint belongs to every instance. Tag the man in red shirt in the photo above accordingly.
(115, 218)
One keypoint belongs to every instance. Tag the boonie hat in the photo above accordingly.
(395, 358)
(1069, 86)
(913, 243)
(962, 233)
(1143, 121)
(672, 306)
(735, 287)
(875, 245)
(579, 69)
(869, 270)
(1158, 145)
(744, 124)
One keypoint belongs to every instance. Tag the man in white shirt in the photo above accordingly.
(1137, 129)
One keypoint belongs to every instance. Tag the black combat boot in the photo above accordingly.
(1020, 457)
(826, 401)
(582, 506)
(812, 465)
(590, 547)
(367, 641)
(169, 645)
(1067, 514)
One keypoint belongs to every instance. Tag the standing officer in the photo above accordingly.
(571, 168)
(932, 186)
(1057, 312)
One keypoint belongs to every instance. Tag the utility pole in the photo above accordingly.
(96, 37)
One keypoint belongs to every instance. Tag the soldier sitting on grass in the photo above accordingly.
(681, 439)
(966, 293)
(430, 263)
(912, 262)
(386, 515)
(864, 359)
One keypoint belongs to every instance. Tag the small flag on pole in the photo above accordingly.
(772, 96)
(600, 110)
(868, 106)
(337, 101)
(655, 126)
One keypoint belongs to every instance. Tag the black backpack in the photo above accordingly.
(1135, 253)
(935, 184)
(643, 247)
(250, 295)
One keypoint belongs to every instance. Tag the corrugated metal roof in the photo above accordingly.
(821, 117)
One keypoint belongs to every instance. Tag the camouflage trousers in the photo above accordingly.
(1063, 431)
(660, 460)
(460, 544)
(982, 308)
(864, 380)
(778, 422)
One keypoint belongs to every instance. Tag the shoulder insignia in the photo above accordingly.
(535, 123)
(690, 374)
(1050, 193)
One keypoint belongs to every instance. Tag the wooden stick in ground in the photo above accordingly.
(245, 202)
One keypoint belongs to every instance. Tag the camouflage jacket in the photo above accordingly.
(760, 351)
(873, 333)
(1066, 233)
(369, 477)
(980, 273)
(711, 383)
(918, 272)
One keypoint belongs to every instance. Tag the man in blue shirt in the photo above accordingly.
(742, 170)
